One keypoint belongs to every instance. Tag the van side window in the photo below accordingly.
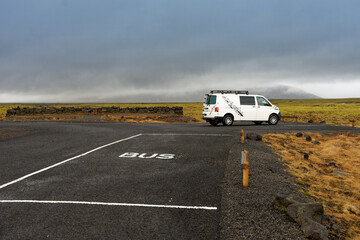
(245, 100)
(262, 102)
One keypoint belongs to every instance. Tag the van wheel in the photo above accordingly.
(213, 122)
(273, 119)
(228, 120)
(258, 122)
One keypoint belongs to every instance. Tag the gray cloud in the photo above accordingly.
(55, 50)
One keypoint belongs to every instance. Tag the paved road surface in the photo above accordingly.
(118, 181)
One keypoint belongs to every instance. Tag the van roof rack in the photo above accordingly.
(230, 91)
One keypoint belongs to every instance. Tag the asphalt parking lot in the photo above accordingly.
(119, 181)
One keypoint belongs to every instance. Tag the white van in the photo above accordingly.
(228, 106)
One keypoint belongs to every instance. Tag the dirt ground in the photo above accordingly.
(6, 133)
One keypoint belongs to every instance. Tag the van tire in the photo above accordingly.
(258, 122)
(273, 119)
(213, 122)
(228, 120)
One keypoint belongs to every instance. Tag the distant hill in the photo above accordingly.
(283, 92)
(276, 92)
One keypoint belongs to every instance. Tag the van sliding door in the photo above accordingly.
(248, 108)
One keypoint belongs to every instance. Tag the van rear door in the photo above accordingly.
(209, 105)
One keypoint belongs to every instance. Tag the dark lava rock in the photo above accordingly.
(306, 156)
(316, 142)
(310, 121)
(323, 122)
(314, 230)
(333, 164)
(254, 136)
(308, 138)
(283, 200)
(326, 220)
(338, 172)
(300, 211)
(299, 134)
(310, 216)
(10, 112)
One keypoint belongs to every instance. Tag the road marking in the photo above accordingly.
(110, 204)
(186, 134)
(301, 125)
(67, 160)
(164, 156)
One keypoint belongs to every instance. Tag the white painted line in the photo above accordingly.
(67, 160)
(110, 204)
(186, 134)
(302, 125)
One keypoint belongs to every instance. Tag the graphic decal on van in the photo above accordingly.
(233, 106)
(212, 109)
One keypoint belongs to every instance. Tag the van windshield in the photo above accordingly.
(263, 102)
(210, 99)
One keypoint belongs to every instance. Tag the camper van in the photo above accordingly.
(227, 106)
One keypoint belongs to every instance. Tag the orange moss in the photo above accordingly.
(341, 151)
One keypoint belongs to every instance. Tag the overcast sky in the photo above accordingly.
(95, 50)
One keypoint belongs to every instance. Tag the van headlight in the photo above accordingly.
(276, 108)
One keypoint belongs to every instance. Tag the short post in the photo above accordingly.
(353, 123)
(242, 136)
(245, 167)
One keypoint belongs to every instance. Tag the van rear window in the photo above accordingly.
(245, 100)
(211, 99)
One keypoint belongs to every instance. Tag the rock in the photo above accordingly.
(314, 230)
(299, 134)
(316, 142)
(326, 220)
(332, 164)
(310, 216)
(93, 110)
(338, 172)
(254, 136)
(300, 211)
(308, 138)
(306, 156)
(283, 200)
(310, 121)
(323, 122)
(10, 112)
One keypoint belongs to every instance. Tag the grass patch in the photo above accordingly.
(333, 111)
(331, 174)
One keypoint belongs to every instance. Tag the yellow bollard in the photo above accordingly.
(245, 167)
(242, 136)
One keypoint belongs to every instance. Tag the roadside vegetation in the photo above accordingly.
(330, 172)
(332, 111)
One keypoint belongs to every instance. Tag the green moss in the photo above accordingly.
(305, 193)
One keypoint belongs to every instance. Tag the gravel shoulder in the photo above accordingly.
(248, 213)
